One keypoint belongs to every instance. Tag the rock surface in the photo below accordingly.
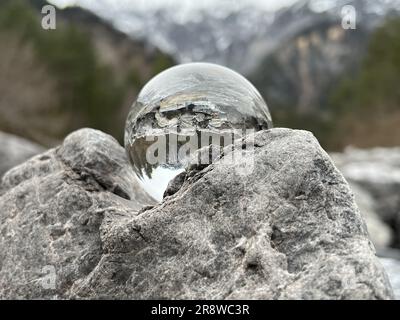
(380, 233)
(15, 150)
(278, 223)
(392, 267)
(376, 171)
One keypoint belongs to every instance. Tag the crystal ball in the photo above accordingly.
(183, 109)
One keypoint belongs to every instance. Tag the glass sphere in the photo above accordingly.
(183, 109)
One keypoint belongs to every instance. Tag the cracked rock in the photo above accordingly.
(279, 223)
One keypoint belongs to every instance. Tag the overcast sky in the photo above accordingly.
(187, 4)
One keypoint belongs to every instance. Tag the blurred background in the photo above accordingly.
(342, 84)
(315, 74)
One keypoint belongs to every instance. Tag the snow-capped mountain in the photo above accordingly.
(294, 54)
(237, 34)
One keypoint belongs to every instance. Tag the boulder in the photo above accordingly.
(380, 233)
(392, 267)
(276, 220)
(15, 150)
(376, 171)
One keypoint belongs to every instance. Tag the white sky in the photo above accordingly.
(151, 4)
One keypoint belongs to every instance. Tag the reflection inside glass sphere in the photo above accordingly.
(183, 109)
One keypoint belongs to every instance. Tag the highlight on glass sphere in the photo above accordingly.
(183, 109)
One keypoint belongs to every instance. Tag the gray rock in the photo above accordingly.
(392, 267)
(15, 150)
(377, 171)
(279, 222)
(380, 233)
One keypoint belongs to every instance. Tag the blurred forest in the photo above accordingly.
(352, 101)
(84, 73)
(342, 86)
(366, 106)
